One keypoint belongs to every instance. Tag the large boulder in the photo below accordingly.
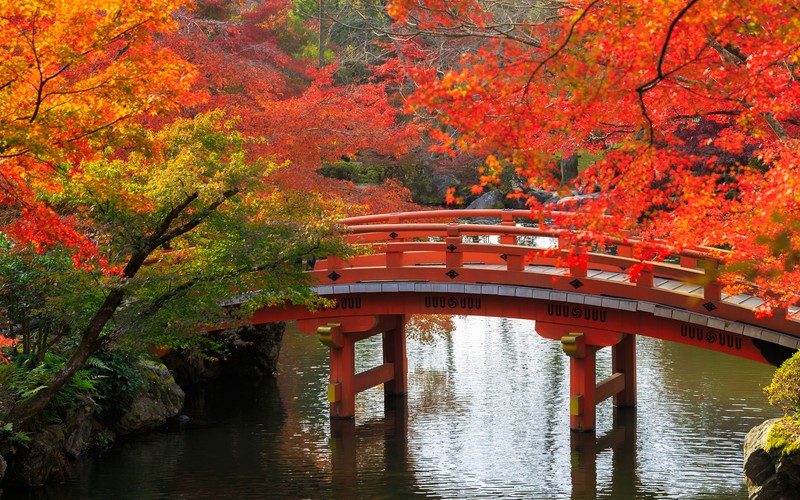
(769, 474)
(157, 401)
(542, 196)
(574, 202)
(255, 350)
(490, 199)
(191, 366)
(78, 423)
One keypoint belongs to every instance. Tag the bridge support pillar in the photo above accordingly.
(585, 392)
(623, 361)
(581, 381)
(394, 353)
(344, 383)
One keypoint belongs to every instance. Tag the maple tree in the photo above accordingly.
(117, 218)
(131, 203)
(691, 107)
(71, 75)
(181, 222)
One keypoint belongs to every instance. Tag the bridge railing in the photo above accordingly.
(410, 239)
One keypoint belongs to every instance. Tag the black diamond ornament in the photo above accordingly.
(709, 306)
(393, 235)
(334, 276)
(451, 274)
(576, 283)
(504, 257)
(452, 247)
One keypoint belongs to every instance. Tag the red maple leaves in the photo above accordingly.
(690, 106)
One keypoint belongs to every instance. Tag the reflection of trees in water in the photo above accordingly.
(427, 328)
(278, 442)
(435, 391)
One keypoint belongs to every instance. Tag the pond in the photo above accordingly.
(486, 417)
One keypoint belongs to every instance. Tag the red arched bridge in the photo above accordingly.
(479, 262)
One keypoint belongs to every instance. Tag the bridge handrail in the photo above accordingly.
(400, 249)
(428, 253)
(696, 265)
(712, 256)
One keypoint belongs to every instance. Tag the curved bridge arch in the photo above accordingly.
(556, 314)
(502, 263)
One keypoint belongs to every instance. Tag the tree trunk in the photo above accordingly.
(569, 168)
(90, 343)
(321, 55)
(90, 338)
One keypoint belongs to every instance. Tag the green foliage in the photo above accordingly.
(224, 231)
(784, 392)
(784, 389)
(416, 175)
(785, 436)
(354, 171)
(120, 380)
(42, 318)
(197, 343)
(12, 437)
(110, 378)
(24, 377)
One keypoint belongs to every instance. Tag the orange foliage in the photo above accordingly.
(691, 106)
(71, 76)
(6, 343)
(300, 114)
(427, 328)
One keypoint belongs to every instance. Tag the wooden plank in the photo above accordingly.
(370, 378)
(608, 387)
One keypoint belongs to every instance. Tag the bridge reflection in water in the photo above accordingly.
(392, 434)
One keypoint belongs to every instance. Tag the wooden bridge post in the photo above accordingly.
(344, 382)
(623, 360)
(581, 382)
(507, 219)
(341, 393)
(454, 258)
(585, 393)
(394, 353)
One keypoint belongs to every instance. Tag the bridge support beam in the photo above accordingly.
(341, 338)
(585, 392)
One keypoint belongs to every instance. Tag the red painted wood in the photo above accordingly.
(623, 361)
(608, 387)
(372, 377)
(582, 383)
(394, 352)
(342, 365)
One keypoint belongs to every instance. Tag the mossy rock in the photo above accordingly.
(771, 462)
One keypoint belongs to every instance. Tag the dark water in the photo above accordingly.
(486, 417)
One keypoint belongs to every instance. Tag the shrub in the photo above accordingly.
(784, 390)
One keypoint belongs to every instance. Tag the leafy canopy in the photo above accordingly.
(691, 106)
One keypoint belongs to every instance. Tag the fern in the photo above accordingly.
(97, 363)
(29, 394)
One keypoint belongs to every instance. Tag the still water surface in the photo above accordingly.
(486, 417)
